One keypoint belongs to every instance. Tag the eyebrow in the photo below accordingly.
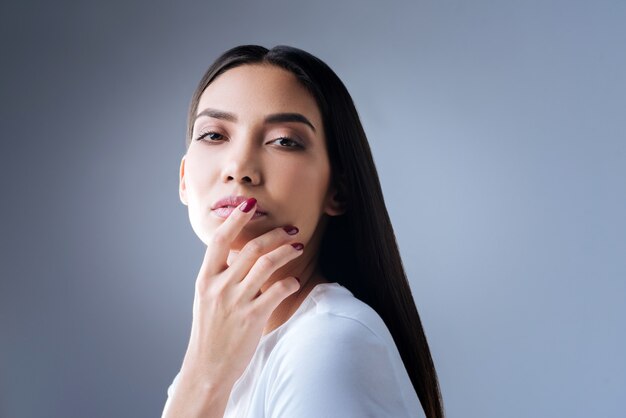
(273, 118)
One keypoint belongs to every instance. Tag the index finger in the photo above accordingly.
(217, 251)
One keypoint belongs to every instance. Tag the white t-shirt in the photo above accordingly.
(334, 357)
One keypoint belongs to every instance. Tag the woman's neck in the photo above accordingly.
(288, 307)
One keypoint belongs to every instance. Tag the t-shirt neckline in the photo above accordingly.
(305, 303)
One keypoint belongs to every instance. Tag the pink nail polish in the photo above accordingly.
(248, 205)
(291, 230)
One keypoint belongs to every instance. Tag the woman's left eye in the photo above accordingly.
(294, 143)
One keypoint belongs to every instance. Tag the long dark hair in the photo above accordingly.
(358, 248)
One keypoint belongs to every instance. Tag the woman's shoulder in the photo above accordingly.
(341, 354)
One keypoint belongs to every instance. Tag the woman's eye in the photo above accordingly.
(293, 143)
(209, 134)
(284, 141)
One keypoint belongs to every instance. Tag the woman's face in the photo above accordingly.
(243, 155)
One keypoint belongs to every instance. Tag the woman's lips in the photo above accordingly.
(227, 210)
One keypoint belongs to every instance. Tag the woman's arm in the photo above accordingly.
(229, 313)
(195, 397)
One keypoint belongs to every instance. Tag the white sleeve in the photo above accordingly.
(335, 368)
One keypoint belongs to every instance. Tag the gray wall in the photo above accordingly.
(499, 133)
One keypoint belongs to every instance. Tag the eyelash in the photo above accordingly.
(296, 145)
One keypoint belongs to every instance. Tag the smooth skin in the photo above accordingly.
(246, 285)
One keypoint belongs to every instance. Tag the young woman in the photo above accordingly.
(302, 308)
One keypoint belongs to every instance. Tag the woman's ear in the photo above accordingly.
(182, 188)
(335, 200)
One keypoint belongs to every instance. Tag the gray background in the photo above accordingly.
(498, 129)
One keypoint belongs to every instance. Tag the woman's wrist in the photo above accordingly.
(197, 396)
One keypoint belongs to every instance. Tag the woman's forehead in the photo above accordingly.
(254, 90)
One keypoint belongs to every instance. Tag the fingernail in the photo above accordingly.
(247, 205)
(291, 230)
(297, 245)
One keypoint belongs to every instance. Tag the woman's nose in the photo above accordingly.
(242, 164)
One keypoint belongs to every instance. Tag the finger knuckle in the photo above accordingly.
(266, 262)
(219, 238)
(201, 287)
(254, 248)
(216, 292)
(282, 286)
(257, 250)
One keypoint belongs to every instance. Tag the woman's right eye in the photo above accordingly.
(210, 135)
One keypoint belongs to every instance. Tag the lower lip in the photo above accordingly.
(225, 212)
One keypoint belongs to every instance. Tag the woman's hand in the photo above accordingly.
(229, 310)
